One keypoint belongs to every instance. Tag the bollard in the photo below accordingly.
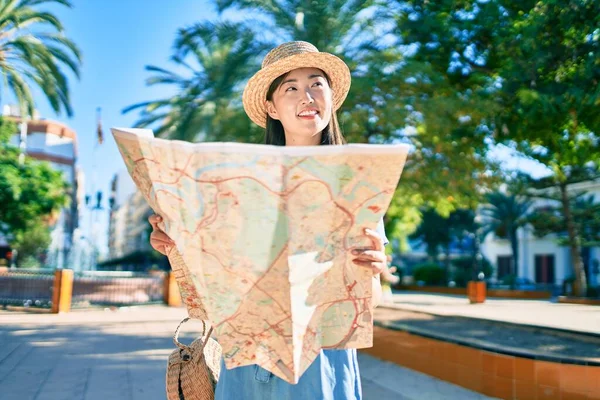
(171, 294)
(62, 290)
(476, 291)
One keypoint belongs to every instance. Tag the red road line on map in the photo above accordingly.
(245, 335)
(354, 325)
(274, 326)
(215, 211)
(271, 326)
(145, 159)
(213, 215)
(288, 169)
(182, 173)
(354, 301)
(179, 199)
(203, 250)
(344, 300)
(370, 198)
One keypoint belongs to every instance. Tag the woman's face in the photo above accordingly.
(303, 105)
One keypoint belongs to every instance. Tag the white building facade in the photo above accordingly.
(542, 260)
(129, 230)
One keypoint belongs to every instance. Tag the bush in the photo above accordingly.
(593, 292)
(510, 280)
(462, 270)
(430, 273)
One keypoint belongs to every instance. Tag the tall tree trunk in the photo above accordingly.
(580, 284)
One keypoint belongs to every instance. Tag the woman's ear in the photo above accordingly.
(271, 110)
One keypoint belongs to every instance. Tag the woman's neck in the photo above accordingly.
(291, 140)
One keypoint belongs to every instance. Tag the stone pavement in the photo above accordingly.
(121, 354)
(543, 313)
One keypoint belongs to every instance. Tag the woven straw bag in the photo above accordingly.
(193, 371)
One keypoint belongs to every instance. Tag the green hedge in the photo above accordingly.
(430, 274)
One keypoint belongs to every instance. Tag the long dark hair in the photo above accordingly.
(275, 135)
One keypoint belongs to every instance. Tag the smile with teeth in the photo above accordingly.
(308, 113)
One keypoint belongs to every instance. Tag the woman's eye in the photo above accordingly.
(290, 88)
(318, 83)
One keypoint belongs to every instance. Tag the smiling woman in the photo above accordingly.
(295, 96)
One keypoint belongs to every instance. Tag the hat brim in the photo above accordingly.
(255, 92)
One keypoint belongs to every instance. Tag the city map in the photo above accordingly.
(263, 239)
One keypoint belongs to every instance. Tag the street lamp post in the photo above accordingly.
(92, 234)
(476, 288)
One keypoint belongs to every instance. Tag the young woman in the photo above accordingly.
(295, 97)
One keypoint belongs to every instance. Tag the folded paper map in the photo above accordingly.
(264, 236)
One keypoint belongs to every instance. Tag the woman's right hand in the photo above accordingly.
(158, 238)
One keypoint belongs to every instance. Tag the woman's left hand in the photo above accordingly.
(374, 257)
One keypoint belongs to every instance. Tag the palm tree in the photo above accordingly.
(504, 215)
(332, 26)
(30, 57)
(217, 59)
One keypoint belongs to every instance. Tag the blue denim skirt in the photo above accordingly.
(334, 375)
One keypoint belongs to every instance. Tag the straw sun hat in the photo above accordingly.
(285, 58)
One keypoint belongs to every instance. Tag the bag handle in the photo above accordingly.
(183, 346)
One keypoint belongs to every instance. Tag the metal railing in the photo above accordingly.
(116, 288)
(26, 287)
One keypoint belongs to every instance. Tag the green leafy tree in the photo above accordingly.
(31, 245)
(549, 107)
(432, 90)
(31, 56)
(503, 214)
(31, 195)
(217, 58)
(523, 72)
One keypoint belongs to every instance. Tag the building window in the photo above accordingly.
(544, 268)
(504, 264)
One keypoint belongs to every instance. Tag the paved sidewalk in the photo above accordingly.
(121, 355)
(543, 313)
